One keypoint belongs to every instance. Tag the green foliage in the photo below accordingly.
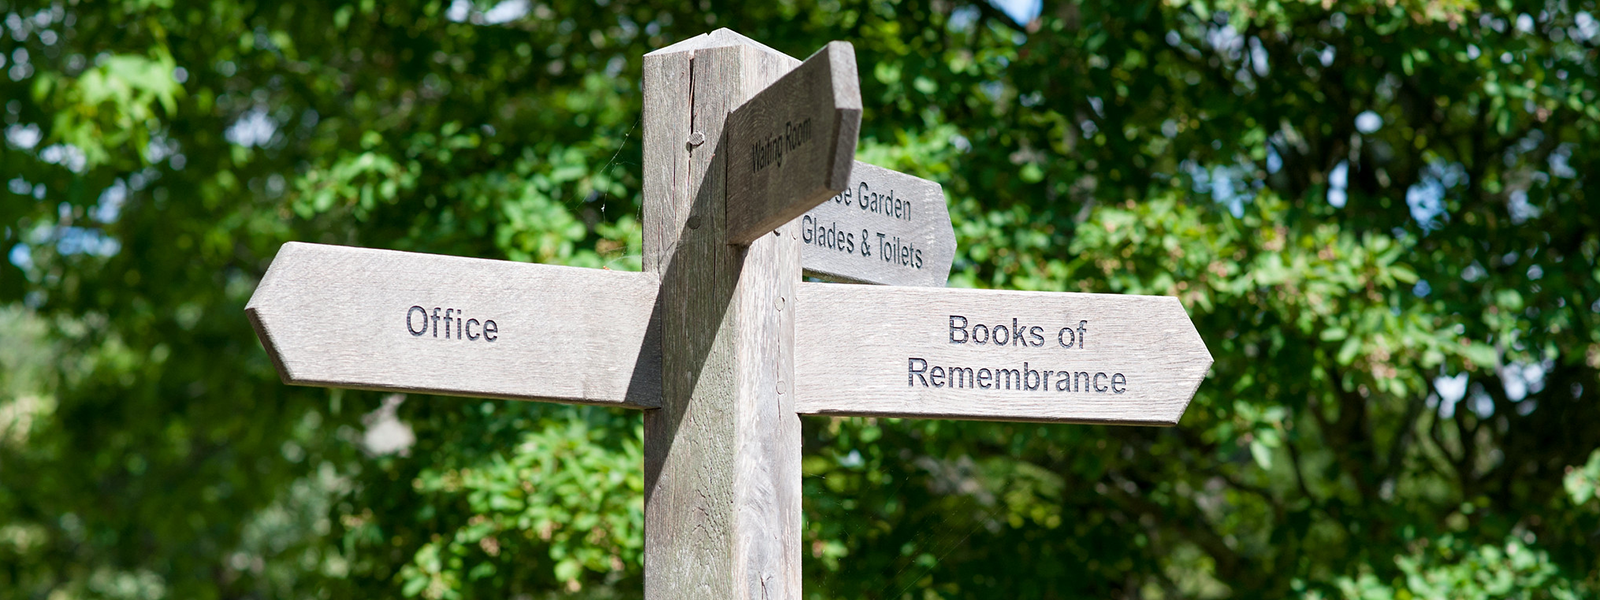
(1446, 569)
(562, 486)
(1379, 215)
(1583, 483)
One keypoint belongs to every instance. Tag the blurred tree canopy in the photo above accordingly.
(1376, 211)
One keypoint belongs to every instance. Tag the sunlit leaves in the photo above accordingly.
(563, 487)
(113, 106)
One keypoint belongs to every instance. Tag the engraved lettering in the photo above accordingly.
(888, 204)
(894, 249)
(424, 312)
(826, 236)
(961, 377)
(844, 197)
(1008, 374)
(953, 329)
(456, 324)
(770, 151)
(917, 369)
(962, 331)
(1026, 379)
(1069, 337)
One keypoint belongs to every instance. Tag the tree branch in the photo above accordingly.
(1402, 439)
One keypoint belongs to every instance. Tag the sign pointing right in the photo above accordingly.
(886, 227)
(994, 355)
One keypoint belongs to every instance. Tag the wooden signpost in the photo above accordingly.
(747, 165)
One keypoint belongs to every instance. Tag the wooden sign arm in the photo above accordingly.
(359, 318)
(790, 147)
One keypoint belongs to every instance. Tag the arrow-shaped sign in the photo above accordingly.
(994, 355)
(791, 146)
(378, 319)
(886, 227)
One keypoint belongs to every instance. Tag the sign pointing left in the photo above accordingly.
(379, 319)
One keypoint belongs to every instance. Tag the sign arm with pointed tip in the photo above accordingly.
(885, 227)
(791, 147)
(336, 316)
(749, 181)
(995, 355)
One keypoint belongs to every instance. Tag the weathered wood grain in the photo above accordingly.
(668, 127)
(769, 539)
(361, 318)
(1132, 360)
(885, 227)
(720, 38)
(791, 146)
(722, 455)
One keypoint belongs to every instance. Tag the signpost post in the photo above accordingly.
(718, 340)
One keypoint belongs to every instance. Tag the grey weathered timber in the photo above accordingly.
(379, 319)
(722, 455)
(791, 146)
(1081, 358)
(885, 227)
(724, 37)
